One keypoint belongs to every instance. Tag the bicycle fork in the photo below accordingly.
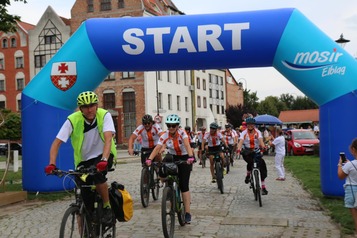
(255, 168)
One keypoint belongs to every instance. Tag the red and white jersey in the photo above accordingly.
(174, 144)
(149, 138)
(250, 141)
(200, 135)
(229, 136)
(213, 140)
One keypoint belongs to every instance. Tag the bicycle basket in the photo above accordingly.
(169, 169)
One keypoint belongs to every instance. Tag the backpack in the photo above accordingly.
(121, 202)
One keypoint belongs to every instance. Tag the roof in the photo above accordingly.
(26, 26)
(299, 116)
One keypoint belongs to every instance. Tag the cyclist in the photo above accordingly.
(191, 138)
(231, 138)
(176, 141)
(200, 135)
(91, 130)
(150, 133)
(251, 139)
(214, 139)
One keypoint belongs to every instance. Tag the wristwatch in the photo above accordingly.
(104, 159)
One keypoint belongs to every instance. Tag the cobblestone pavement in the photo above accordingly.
(288, 211)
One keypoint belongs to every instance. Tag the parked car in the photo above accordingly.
(301, 142)
(13, 146)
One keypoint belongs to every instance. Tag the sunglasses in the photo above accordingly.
(147, 123)
(171, 125)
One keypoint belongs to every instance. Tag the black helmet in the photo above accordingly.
(213, 125)
(227, 125)
(250, 120)
(147, 119)
(187, 128)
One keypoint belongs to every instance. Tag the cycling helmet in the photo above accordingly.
(172, 119)
(250, 120)
(227, 125)
(187, 128)
(213, 125)
(147, 119)
(203, 128)
(87, 98)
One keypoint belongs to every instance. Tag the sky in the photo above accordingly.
(333, 17)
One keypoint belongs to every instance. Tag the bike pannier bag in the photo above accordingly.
(121, 202)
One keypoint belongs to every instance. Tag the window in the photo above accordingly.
(160, 100)
(186, 104)
(168, 77)
(129, 113)
(2, 85)
(217, 94)
(19, 105)
(20, 83)
(51, 39)
(13, 42)
(110, 76)
(217, 109)
(198, 101)
(210, 78)
(204, 84)
(2, 104)
(121, 4)
(198, 83)
(178, 103)
(221, 80)
(211, 107)
(178, 77)
(90, 7)
(128, 75)
(158, 74)
(109, 100)
(105, 5)
(222, 110)
(169, 101)
(222, 95)
(210, 93)
(204, 102)
(185, 77)
(4, 43)
(2, 64)
(40, 61)
(19, 62)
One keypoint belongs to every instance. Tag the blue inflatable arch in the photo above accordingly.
(315, 64)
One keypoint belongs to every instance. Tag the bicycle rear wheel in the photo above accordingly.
(227, 161)
(155, 183)
(219, 176)
(180, 209)
(258, 189)
(144, 186)
(168, 212)
(74, 224)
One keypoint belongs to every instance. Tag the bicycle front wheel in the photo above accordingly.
(74, 224)
(180, 208)
(227, 159)
(155, 183)
(219, 176)
(258, 196)
(168, 212)
(144, 186)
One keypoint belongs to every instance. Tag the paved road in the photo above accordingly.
(288, 211)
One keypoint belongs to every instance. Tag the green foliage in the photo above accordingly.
(11, 129)
(8, 21)
(302, 103)
(235, 114)
(250, 101)
(307, 170)
(271, 105)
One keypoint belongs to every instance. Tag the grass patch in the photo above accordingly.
(307, 170)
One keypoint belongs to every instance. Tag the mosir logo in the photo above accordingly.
(324, 60)
(64, 75)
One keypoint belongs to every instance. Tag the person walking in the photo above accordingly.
(279, 144)
(91, 130)
(347, 169)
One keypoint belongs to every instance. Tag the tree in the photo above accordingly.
(11, 129)
(234, 114)
(303, 103)
(8, 21)
(271, 105)
(250, 101)
(288, 99)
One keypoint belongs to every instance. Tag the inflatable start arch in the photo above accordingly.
(282, 38)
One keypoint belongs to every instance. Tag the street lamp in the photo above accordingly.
(245, 82)
(342, 41)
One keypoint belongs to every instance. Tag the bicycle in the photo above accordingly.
(227, 159)
(218, 170)
(149, 180)
(203, 159)
(78, 220)
(172, 201)
(255, 178)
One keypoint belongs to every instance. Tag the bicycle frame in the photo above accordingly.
(255, 179)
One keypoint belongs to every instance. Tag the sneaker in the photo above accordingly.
(187, 218)
(213, 180)
(107, 215)
(200, 163)
(247, 179)
(264, 191)
(280, 179)
(224, 171)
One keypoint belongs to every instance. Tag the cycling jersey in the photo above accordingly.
(213, 140)
(229, 137)
(149, 138)
(174, 144)
(250, 141)
(200, 136)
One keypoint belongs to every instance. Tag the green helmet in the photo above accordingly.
(213, 125)
(172, 119)
(87, 98)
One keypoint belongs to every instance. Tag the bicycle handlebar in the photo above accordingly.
(92, 170)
